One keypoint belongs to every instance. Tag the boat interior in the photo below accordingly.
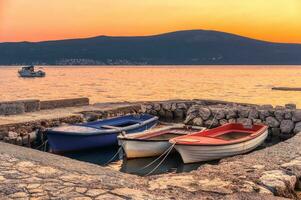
(167, 134)
(227, 134)
(119, 125)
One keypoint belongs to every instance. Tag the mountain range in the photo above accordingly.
(192, 47)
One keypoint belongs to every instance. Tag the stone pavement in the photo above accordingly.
(58, 113)
(30, 174)
(29, 179)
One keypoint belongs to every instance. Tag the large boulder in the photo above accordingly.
(245, 121)
(182, 106)
(279, 114)
(179, 114)
(231, 113)
(143, 108)
(162, 113)
(205, 113)
(253, 114)
(287, 126)
(12, 135)
(297, 128)
(257, 121)
(297, 115)
(193, 109)
(198, 121)
(264, 114)
(211, 123)
(243, 112)
(279, 182)
(266, 107)
(294, 166)
(153, 112)
(272, 122)
(189, 118)
(218, 113)
(166, 106)
(232, 120)
(288, 114)
(157, 107)
(223, 121)
(290, 106)
(173, 106)
(169, 115)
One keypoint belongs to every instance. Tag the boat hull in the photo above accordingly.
(140, 149)
(199, 153)
(144, 145)
(65, 142)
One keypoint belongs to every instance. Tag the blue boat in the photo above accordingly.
(97, 134)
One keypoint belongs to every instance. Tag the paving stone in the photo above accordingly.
(108, 197)
(95, 192)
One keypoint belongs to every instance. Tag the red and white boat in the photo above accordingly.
(227, 140)
(153, 142)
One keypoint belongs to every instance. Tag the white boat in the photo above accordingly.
(217, 143)
(29, 72)
(154, 142)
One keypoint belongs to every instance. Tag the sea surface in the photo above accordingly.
(250, 84)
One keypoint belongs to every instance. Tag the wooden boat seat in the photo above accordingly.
(110, 127)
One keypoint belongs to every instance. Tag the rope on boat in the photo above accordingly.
(43, 145)
(170, 149)
(154, 161)
(109, 161)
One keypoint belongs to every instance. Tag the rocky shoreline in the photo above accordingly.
(267, 173)
(283, 121)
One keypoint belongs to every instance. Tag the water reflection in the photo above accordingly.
(172, 164)
(130, 83)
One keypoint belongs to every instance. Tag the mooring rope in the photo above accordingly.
(161, 161)
(109, 161)
(154, 161)
(42, 145)
(45, 146)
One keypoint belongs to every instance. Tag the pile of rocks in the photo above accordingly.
(283, 121)
(24, 134)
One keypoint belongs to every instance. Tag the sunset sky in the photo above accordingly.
(37, 20)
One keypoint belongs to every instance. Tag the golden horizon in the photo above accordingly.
(30, 20)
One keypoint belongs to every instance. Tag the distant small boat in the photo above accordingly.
(29, 72)
(97, 134)
(227, 140)
(153, 142)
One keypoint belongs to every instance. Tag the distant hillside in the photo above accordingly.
(177, 48)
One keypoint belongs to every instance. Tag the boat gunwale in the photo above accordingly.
(103, 132)
(132, 137)
(257, 133)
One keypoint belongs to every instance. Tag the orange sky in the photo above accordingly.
(36, 20)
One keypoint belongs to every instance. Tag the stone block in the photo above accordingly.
(31, 105)
(52, 104)
(11, 108)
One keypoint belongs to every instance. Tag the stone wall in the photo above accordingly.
(25, 133)
(62, 103)
(32, 105)
(19, 107)
(283, 121)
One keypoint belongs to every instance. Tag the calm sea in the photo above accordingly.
(250, 84)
